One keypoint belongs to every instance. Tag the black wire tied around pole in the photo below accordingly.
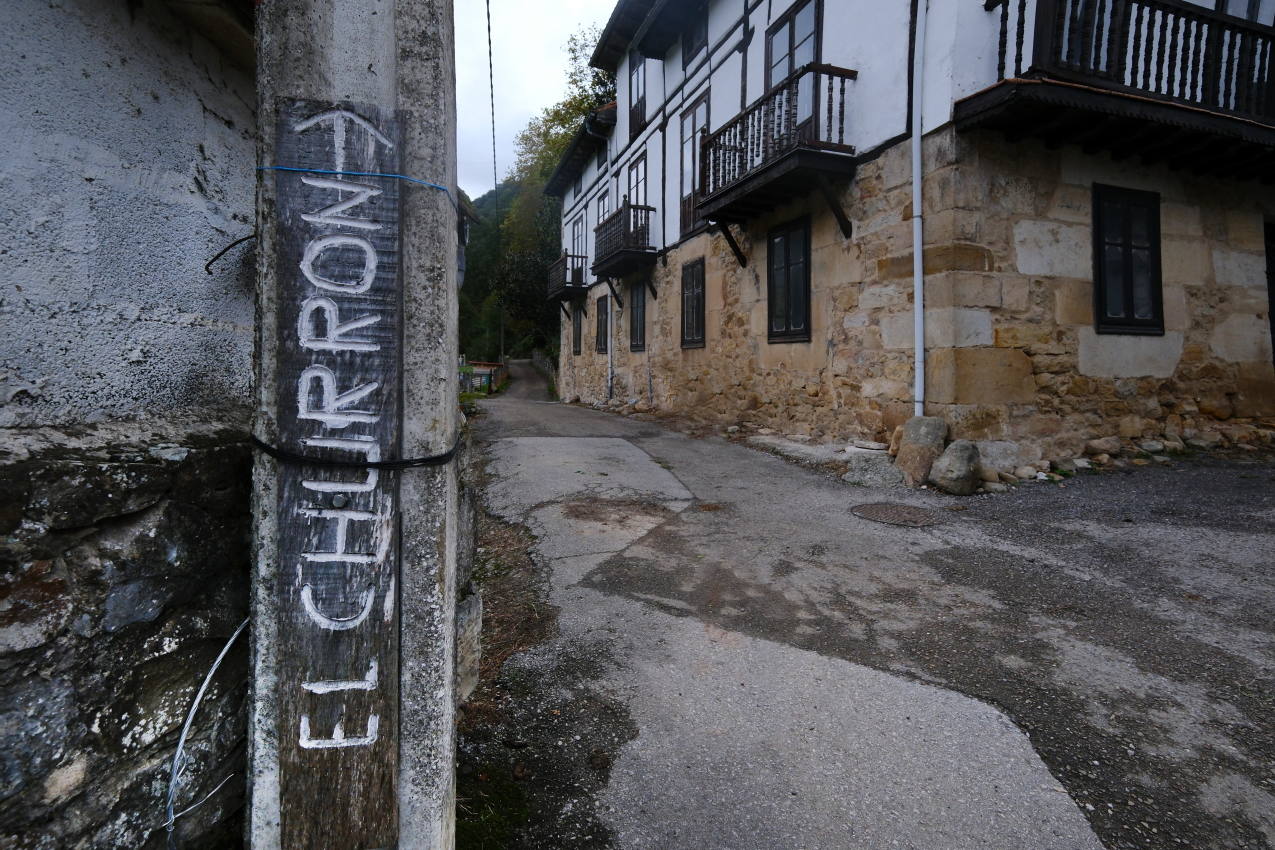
(286, 456)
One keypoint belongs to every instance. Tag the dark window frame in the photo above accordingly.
(1252, 14)
(789, 333)
(601, 341)
(577, 327)
(688, 219)
(695, 38)
(787, 17)
(698, 301)
(637, 316)
(637, 104)
(1130, 199)
(638, 162)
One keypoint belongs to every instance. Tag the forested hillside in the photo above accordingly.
(517, 236)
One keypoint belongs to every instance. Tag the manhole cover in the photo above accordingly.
(892, 513)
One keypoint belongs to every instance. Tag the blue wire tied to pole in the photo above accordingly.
(442, 189)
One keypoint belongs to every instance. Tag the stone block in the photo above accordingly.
(1241, 339)
(1073, 302)
(957, 327)
(1255, 385)
(1185, 262)
(1072, 204)
(1176, 314)
(871, 469)
(962, 289)
(1103, 445)
(1244, 230)
(1053, 248)
(1178, 219)
(1238, 268)
(921, 445)
(979, 376)
(1016, 293)
(1128, 356)
(957, 256)
(1034, 337)
(957, 470)
(999, 455)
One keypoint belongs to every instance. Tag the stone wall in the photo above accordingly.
(1012, 358)
(124, 567)
(125, 394)
(129, 143)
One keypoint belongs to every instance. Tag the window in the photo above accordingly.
(577, 326)
(637, 94)
(579, 184)
(792, 44)
(694, 120)
(603, 317)
(788, 283)
(602, 157)
(1127, 290)
(637, 316)
(637, 181)
(604, 206)
(695, 38)
(1262, 11)
(693, 304)
(577, 236)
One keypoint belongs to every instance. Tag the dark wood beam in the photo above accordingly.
(724, 229)
(614, 294)
(834, 204)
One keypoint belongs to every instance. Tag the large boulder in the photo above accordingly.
(957, 469)
(921, 444)
(1104, 446)
(868, 468)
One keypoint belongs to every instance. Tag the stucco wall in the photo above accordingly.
(1012, 354)
(129, 156)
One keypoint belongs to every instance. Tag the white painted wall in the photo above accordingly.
(869, 36)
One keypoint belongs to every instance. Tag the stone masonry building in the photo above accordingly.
(1096, 190)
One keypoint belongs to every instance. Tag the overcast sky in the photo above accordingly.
(529, 40)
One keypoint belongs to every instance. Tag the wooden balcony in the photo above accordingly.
(623, 241)
(789, 141)
(567, 277)
(1161, 79)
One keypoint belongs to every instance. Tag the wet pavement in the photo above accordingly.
(1050, 668)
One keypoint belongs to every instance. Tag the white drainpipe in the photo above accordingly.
(918, 230)
(610, 347)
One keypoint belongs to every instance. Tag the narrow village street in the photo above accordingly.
(741, 662)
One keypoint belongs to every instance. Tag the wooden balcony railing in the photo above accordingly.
(626, 229)
(1165, 50)
(567, 276)
(806, 110)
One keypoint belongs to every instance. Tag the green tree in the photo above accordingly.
(518, 237)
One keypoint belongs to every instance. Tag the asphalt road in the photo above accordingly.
(1072, 667)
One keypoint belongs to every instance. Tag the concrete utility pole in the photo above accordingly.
(351, 741)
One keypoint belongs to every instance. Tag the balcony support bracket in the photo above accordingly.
(834, 204)
(650, 285)
(723, 228)
(565, 311)
(618, 300)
